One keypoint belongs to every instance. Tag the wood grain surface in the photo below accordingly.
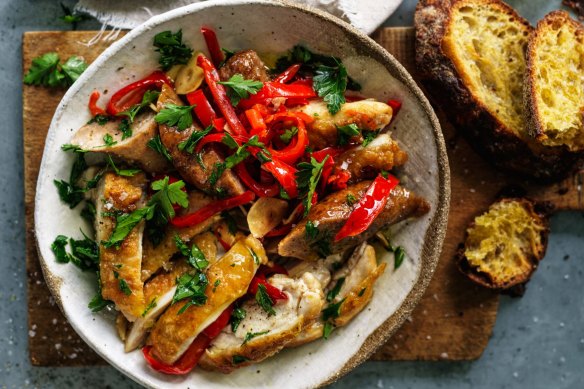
(452, 322)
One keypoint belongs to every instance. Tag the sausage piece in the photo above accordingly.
(248, 64)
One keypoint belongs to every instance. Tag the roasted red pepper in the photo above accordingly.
(93, 108)
(284, 229)
(395, 106)
(288, 74)
(339, 179)
(203, 109)
(187, 361)
(131, 94)
(213, 45)
(284, 174)
(256, 121)
(220, 96)
(273, 292)
(260, 189)
(209, 210)
(368, 208)
(291, 153)
(273, 89)
(217, 326)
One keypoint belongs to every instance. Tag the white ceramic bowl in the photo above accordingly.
(267, 27)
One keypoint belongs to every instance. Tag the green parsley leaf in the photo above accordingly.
(255, 257)
(229, 141)
(73, 148)
(176, 115)
(44, 71)
(283, 194)
(361, 292)
(250, 335)
(84, 253)
(307, 178)
(167, 195)
(330, 83)
(99, 119)
(172, 50)
(351, 199)
(240, 88)
(191, 287)
(310, 230)
(149, 307)
(368, 137)
(264, 300)
(327, 330)
(287, 136)
(73, 68)
(190, 144)
(399, 256)
(345, 133)
(332, 311)
(237, 315)
(58, 248)
(71, 17)
(98, 303)
(126, 223)
(237, 359)
(123, 285)
(330, 296)
(195, 257)
(88, 212)
(125, 128)
(108, 140)
(149, 97)
(121, 172)
(156, 145)
(240, 155)
(69, 194)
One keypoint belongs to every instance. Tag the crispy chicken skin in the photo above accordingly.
(121, 265)
(330, 214)
(359, 273)
(383, 153)
(133, 149)
(159, 256)
(187, 164)
(368, 115)
(301, 309)
(174, 333)
(248, 64)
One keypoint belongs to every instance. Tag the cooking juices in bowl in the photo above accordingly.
(234, 205)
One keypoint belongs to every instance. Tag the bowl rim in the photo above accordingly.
(435, 233)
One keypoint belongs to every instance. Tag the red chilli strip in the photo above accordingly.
(213, 45)
(93, 108)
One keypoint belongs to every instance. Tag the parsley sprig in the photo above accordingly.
(190, 144)
(84, 252)
(149, 97)
(330, 83)
(156, 145)
(191, 287)
(171, 48)
(264, 300)
(46, 70)
(307, 178)
(195, 257)
(240, 88)
(176, 115)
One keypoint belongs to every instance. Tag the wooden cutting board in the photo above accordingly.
(452, 322)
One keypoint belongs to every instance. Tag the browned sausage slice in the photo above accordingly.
(248, 64)
(330, 214)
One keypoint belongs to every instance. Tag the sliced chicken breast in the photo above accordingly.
(383, 153)
(187, 164)
(368, 115)
(120, 267)
(229, 279)
(358, 276)
(260, 335)
(133, 150)
(330, 214)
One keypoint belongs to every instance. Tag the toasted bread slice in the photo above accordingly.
(471, 57)
(504, 245)
(554, 86)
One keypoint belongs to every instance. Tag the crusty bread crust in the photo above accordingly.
(550, 22)
(487, 134)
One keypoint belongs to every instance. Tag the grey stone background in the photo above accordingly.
(538, 341)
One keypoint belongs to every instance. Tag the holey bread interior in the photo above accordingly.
(471, 56)
(554, 86)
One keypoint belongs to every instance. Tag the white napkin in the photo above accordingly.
(366, 15)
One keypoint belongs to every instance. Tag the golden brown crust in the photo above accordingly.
(529, 257)
(551, 22)
(487, 134)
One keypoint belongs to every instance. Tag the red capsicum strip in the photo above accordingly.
(288, 74)
(203, 109)
(260, 189)
(220, 96)
(291, 153)
(273, 292)
(395, 106)
(209, 210)
(93, 108)
(284, 174)
(213, 45)
(256, 121)
(368, 208)
(187, 361)
(276, 89)
(132, 94)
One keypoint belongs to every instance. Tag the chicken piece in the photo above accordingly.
(383, 153)
(120, 267)
(231, 350)
(188, 165)
(159, 256)
(158, 294)
(359, 275)
(368, 115)
(229, 279)
(248, 64)
(133, 150)
(330, 214)
(321, 269)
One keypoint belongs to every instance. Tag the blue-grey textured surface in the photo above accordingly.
(538, 341)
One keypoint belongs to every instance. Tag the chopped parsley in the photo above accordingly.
(361, 292)
(240, 155)
(88, 212)
(189, 144)
(310, 230)
(330, 296)
(98, 303)
(84, 252)
(264, 300)
(250, 335)
(287, 136)
(121, 172)
(240, 88)
(330, 83)
(345, 133)
(125, 128)
(149, 97)
(368, 137)
(191, 287)
(237, 359)
(99, 119)
(46, 70)
(108, 140)
(123, 285)
(149, 307)
(176, 115)
(327, 329)
(156, 145)
(399, 256)
(194, 255)
(171, 48)
(351, 199)
(307, 178)
(70, 17)
(255, 257)
(237, 317)
(70, 192)
(332, 311)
